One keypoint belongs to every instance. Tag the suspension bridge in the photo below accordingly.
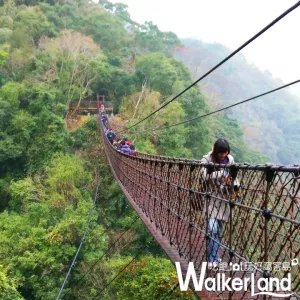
(262, 232)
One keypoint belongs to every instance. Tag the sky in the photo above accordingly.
(231, 23)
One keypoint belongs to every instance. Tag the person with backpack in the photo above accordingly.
(217, 211)
(110, 135)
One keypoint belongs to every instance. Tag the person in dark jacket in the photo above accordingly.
(104, 120)
(110, 135)
(125, 148)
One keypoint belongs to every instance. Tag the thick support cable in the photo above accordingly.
(221, 62)
(111, 281)
(170, 292)
(104, 254)
(221, 109)
(82, 239)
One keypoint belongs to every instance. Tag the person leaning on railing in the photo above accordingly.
(216, 180)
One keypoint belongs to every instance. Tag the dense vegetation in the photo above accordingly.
(56, 52)
(270, 124)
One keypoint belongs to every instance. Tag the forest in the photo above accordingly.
(53, 53)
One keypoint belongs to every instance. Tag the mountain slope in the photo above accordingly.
(270, 124)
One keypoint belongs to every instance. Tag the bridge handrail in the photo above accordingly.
(264, 226)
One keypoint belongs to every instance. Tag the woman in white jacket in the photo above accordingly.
(214, 181)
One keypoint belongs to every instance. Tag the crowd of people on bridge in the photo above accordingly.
(121, 144)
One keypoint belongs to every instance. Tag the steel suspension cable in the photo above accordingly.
(111, 281)
(220, 63)
(82, 239)
(170, 292)
(101, 257)
(221, 109)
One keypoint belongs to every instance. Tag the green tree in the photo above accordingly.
(9, 101)
(149, 276)
(18, 61)
(158, 71)
(6, 22)
(151, 38)
(5, 35)
(50, 137)
(171, 142)
(107, 30)
(54, 212)
(34, 24)
(8, 289)
(24, 192)
(8, 8)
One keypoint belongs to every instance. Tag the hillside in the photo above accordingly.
(270, 124)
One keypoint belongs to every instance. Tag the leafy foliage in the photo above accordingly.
(54, 212)
(158, 71)
(138, 279)
(152, 39)
(53, 53)
(8, 289)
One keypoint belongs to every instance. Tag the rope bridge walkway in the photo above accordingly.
(172, 196)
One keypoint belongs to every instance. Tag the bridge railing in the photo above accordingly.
(85, 104)
(261, 219)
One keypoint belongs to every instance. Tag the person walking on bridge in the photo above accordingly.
(110, 135)
(125, 148)
(216, 181)
(104, 120)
